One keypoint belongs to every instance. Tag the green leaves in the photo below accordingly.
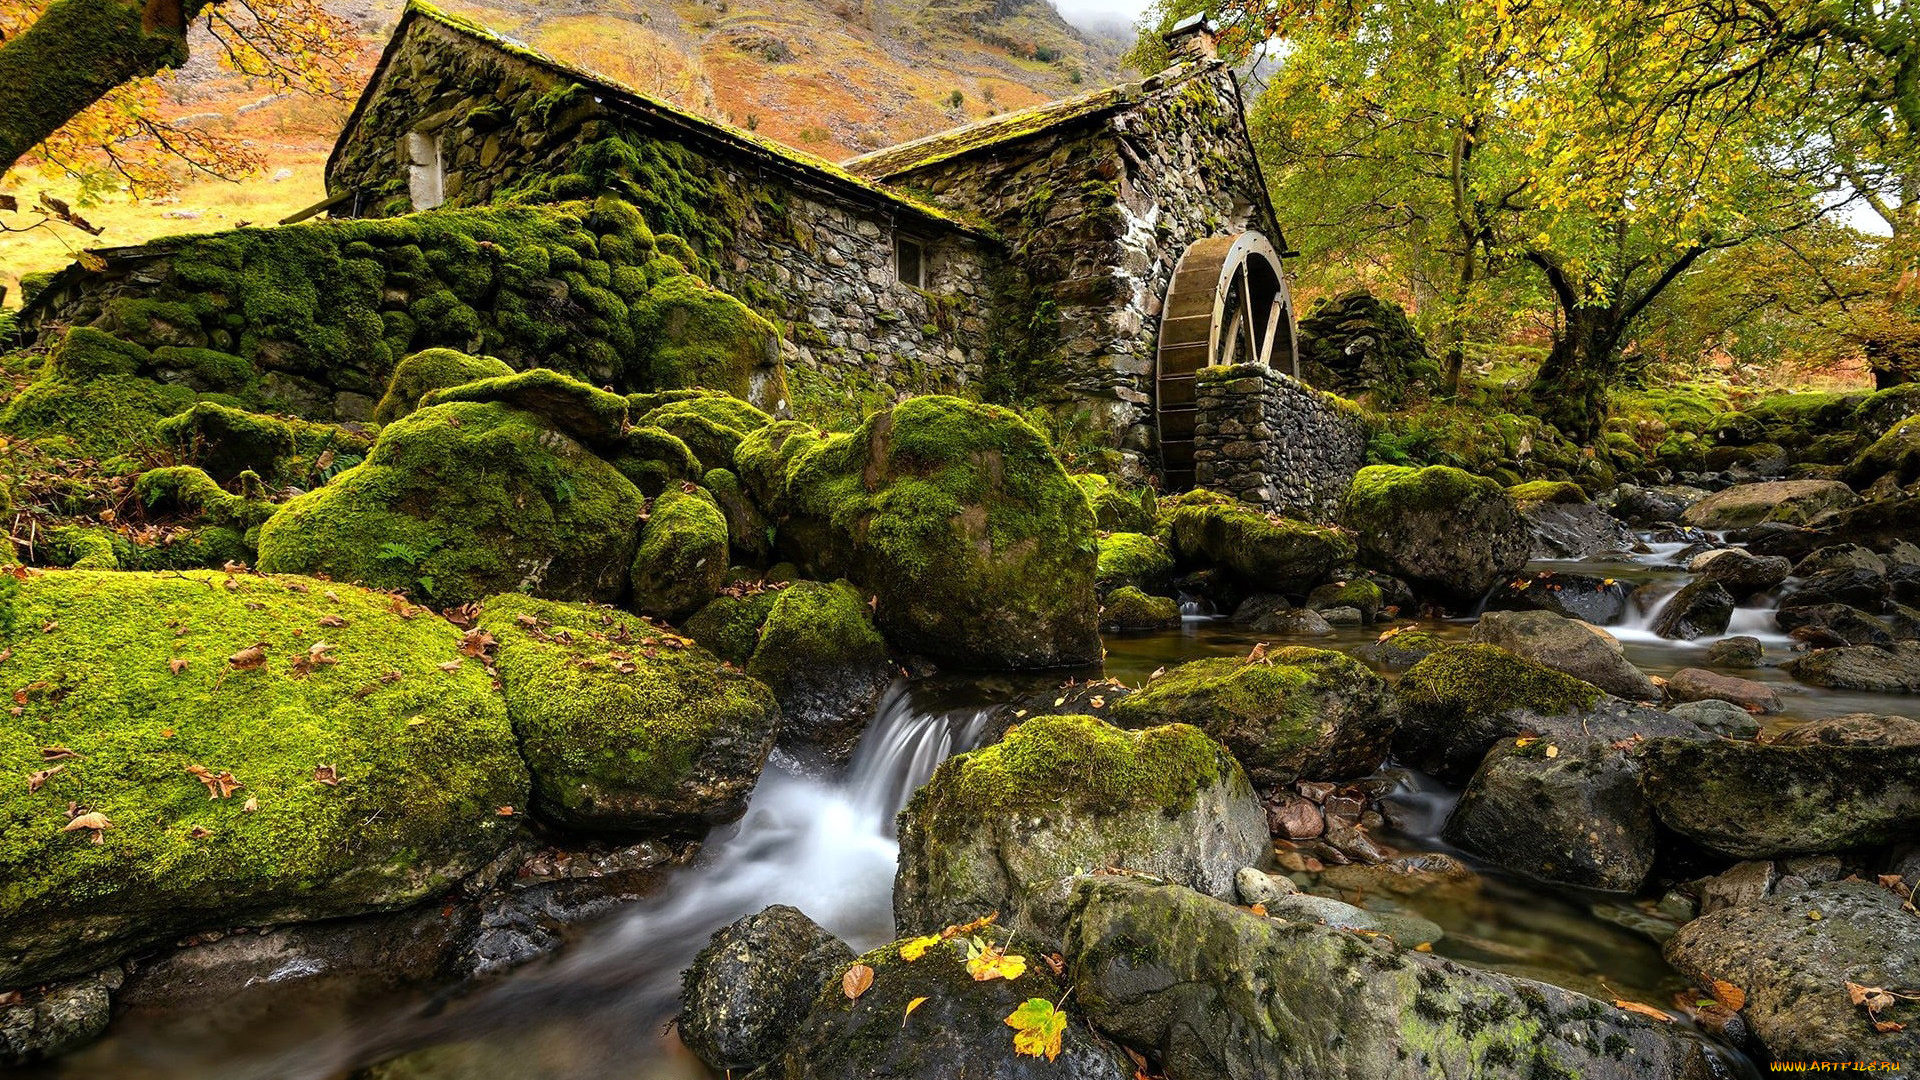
(1038, 1026)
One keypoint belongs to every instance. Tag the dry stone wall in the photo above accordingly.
(1269, 439)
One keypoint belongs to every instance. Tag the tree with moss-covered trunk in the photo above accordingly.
(75, 95)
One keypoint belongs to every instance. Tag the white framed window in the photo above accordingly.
(426, 169)
(909, 261)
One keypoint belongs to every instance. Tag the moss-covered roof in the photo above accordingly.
(803, 166)
(1012, 126)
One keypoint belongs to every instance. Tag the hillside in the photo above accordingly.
(833, 77)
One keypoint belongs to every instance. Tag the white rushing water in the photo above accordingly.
(825, 845)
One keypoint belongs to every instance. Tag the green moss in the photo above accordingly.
(424, 759)
(1896, 453)
(654, 459)
(711, 425)
(698, 336)
(1547, 491)
(592, 415)
(1127, 608)
(106, 416)
(208, 371)
(1133, 559)
(1114, 509)
(461, 500)
(682, 559)
(183, 489)
(1462, 682)
(82, 548)
(86, 353)
(810, 626)
(729, 627)
(428, 370)
(623, 725)
(1074, 762)
(1265, 550)
(226, 441)
(1384, 492)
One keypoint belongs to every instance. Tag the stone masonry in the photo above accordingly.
(1269, 439)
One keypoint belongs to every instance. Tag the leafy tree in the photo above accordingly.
(77, 97)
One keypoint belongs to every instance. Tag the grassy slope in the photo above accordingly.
(834, 77)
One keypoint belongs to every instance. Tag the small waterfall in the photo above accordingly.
(824, 845)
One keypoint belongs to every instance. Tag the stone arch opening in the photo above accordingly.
(1228, 304)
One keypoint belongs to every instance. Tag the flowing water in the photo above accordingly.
(602, 1007)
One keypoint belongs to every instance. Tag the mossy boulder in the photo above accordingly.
(957, 516)
(1896, 454)
(1567, 645)
(428, 370)
(748, 990)
(1460, 700)
(655, 460)
(625, 726)
(226, 441)
(1006, 827)
(1296, 714)
(1795, 502)
(729, 627)
(371, 776)
(1133, 559)
(930, 1019)
(1116, 509)
(826, 664)
(1127, 608)
(1211, 990)
(1441, 529)
(1558, 492)
(594, 416)
(712, 425)
(694, 335)
(459, 501)
(681, 561)
(104, 417)
(1265, 551)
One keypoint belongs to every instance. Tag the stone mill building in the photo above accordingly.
(1097, 252)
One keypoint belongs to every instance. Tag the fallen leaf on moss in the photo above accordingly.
(248, 658)
(250, 806)
(988, 962)
(177, 665)
(505, 811)
(1729, 995)
(332, 621)
(1056, 963)
(315, 658)
(911, 1005)
(38, 780)
(1038, 1028)
(451, 665)
(327, 774)
(856, 981)
(95, 822)
(220, 785)
(198, 833)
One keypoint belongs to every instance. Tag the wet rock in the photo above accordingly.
(1741, 651)
(1212, 991)
(1265, 551)
(960, 1024)
(1575, 530)
(1654, 505)
(1771, 538)
(1699, 684)
(1259, 887)
(1459, 701)
(1406, 931)
(749, 988)
(1295, 818)
(1399, 648)
(1836, 557)
(1360, 594)
(1343, 616)
(1853, 729)
(1753, 800)
(1443, 530)
(1701, 609)
(1258, 607)
(55, 1020)
(1739, 572)
(1295, 713)
(1742, 883)
(1893, 670)
(1796, 502)
(827, 665)
(1596, 600)
(1576, 648)
(1856, 586)
(1833, 624)
(1794, 953)
(1005, 828)
(1719, 717)
(1562, 810)
(1127, 608)
(1297, 622)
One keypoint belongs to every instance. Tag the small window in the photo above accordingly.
(426, 171)
(910, 261)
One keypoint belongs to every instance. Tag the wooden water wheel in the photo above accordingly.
(1227, 304)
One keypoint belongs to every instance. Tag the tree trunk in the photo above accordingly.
(74, 54)
(1570, 389)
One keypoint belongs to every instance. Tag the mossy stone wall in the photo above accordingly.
(510, 125)
(1272, 440)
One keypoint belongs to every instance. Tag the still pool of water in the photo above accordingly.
(602, 1007)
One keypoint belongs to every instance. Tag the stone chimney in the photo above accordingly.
(1192, 38)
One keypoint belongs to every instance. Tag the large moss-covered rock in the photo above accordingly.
(1439, 528)
(957, 516)
(1297, 713)
(1006, 827)
(712, 425)
(1796, 502)
(1127, 608)
(104, 417)
(626, 726)
(752, 985)
(1268, 552)
(1215, 991)
(694, 335)
(1133, 559)
(1117, 509)
(819, 652)
(428, 370)
(461, 500)
(1460, 700)
(682, 558)
(930, 1019)
(227, 441)
(1567, 645)
(595, 417)
(370, 775)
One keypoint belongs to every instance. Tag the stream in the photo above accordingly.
(602, 1006)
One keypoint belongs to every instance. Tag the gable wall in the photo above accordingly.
(1098, 215)
(817, 264)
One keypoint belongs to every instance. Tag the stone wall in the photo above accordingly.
(1269, 439)
(799, 242)
(1097, 212)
